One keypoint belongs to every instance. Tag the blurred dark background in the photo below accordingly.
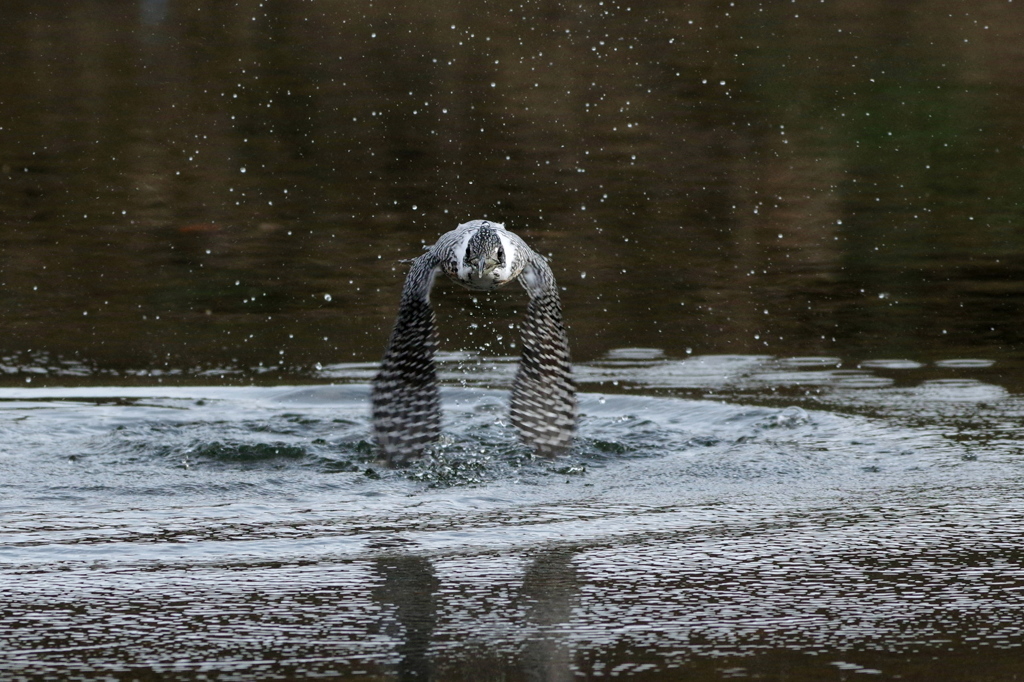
(222, 191)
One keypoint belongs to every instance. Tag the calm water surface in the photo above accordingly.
(789, 238)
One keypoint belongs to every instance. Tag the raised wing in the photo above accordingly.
(543, 392)
(406, 399)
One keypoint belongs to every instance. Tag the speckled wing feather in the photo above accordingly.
(406, 399)
(543, 392)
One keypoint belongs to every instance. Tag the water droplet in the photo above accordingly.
(327, 297)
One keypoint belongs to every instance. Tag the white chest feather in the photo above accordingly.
(462, 271)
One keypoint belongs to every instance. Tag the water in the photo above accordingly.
(249, 532)
(788, 238)
(852, 190)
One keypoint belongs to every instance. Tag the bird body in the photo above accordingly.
(479, 255)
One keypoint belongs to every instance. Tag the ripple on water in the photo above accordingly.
(236, 461)
(965, 363)
(891, 364)
(635, 354)
(250, 533)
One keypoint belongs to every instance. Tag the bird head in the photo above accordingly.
(484, 253)
(483, 256)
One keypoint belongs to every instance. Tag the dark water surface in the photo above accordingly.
(790, 240)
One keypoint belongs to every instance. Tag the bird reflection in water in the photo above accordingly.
(410, 587)
(545, 601)
(549, 592)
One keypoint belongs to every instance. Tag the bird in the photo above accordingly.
(479, 255)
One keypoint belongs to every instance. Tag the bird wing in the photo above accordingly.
(543, 393)
(406, 398)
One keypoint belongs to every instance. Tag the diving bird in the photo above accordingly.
(480, 255)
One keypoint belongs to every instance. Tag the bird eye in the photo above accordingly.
(501, 255)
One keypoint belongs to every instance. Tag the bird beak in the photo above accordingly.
(481, 266)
